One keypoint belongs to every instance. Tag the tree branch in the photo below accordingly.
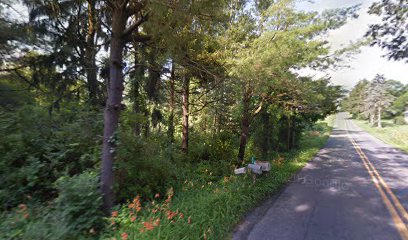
(134, 26)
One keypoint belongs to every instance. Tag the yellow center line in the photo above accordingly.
(397, 203)
(376, 178)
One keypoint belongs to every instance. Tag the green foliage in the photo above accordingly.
(390, 33)
(74, 214)
(79, 203)
(381, 96)
(143, 166)
(238, 62)
(36, 149)
(400, 104)
(400, 120)
(210, 210)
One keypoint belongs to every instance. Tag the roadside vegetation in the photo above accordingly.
(378, 101)
(391, 133)
(379, 107)
(127, 118)
(208, 207)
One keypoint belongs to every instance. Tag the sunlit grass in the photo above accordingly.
(395, 135)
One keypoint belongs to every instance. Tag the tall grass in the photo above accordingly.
(395, 135)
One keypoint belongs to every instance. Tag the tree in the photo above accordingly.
(73, 29)
(378, 97)
(121, 12)
(159, 20)
(400, 104)
(391, 33)
(262, 54)
(354, 102)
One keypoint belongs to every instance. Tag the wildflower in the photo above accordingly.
(189, 220)
(157, 222)
(148, 225)
(142, 230)
(136, 204)
(181, 215)
(157, 195)
(22, 206)
(226, 179)
(124, 236)
(26, 215)
(171, 215)
(115, 213)
(133, 219)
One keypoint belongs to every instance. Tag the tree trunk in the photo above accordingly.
(137, 102)
(170, 131)
(289, 131)
(266, 134)
(244, 126)
(379, 117)
(293, 135)
(372, 119)
(186, 92)
(113, 106)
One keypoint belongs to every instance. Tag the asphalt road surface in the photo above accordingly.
(355, 188)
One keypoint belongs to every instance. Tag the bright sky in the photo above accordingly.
(369, 61)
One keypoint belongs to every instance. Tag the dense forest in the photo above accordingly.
(114, 111)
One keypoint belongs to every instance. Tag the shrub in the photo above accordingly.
(74, 214)
(36, 149)
(400, 120)
(143, 166)
(79, 202)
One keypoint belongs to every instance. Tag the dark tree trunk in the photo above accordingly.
(245, 121)
(186, 92)
(266, 134)
(136, 107)
(289, 131)
(170, 132)
(113, 106)
(293, 134)
(137, 102)
(91, 76)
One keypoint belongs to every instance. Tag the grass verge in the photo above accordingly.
(211, 210)
(395, 135)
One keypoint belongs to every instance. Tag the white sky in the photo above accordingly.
(369, 61)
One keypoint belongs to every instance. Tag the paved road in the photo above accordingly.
(355, 188)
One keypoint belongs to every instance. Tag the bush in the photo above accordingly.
(79, 203)
(74, 214)
(36, 149)
(143, 166)
(400, 120)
